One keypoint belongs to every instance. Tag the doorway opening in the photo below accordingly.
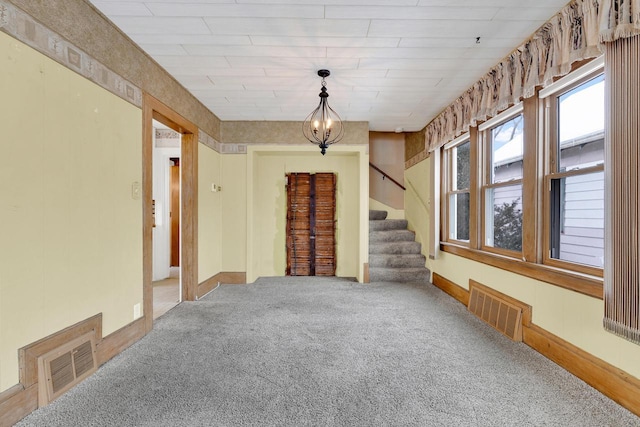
(166, 218)
(311, 224)
(154, 110)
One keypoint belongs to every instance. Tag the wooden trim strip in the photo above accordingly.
(28, 355)
(16, 403)
(114, 343)
(154, 109)
(583, 284)
(451, 288)
(226, 277)
(614, 383)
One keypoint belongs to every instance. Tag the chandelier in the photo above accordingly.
(323, 126)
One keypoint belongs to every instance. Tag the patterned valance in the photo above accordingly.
(619, 19)
(574, 34)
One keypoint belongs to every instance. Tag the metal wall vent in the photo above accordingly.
(62, 368)
(497, 312)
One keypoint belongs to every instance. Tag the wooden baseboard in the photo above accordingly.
(16, 403)
(365, 274)
(114, 343)
(614, 383)
(451, 288)
(227, 277)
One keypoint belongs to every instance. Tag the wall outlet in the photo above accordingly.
(136, 311)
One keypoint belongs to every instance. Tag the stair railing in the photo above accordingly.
(386, 175)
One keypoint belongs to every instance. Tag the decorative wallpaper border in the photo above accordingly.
(23, 27)
(424, 154)
(220, 147)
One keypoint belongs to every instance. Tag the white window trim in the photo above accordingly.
(462, 138)
(592, 67)
(506, 114)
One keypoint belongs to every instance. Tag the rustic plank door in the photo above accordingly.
(311, 206)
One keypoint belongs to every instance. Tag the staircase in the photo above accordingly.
(394, 255)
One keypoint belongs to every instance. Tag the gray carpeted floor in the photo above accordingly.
(329, 352)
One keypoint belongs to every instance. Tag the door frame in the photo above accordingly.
(154, 109)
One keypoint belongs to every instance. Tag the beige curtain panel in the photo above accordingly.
(574, 34)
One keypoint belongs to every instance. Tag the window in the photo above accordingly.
(524, 190)
(502, 189)
(458, 197)
(575, 177)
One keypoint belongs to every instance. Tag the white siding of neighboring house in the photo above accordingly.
(582, 228)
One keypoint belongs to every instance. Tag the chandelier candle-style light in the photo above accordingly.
(323, 126)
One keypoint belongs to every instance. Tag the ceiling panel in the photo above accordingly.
(394, 63)
(237, 10)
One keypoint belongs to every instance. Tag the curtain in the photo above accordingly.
(622, 200)
(574, 34)
(619, 19)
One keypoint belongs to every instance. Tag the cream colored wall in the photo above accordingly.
(234, 214)
(71, 242)
(416, 208)
(209, 214)
(574, 317)
(267, 204)
(386, 152)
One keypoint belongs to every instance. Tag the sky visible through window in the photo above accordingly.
(582, 110)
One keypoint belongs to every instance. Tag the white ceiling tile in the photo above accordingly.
(194, 82)
(170, 38)
(312, 64)
(335, 2)
(406, 12)
(558, 4)
(237, 10)
(244, 72)
(442, 28)
(538, 14)
(393, 62)
(235, 94)
(458, 42)
(163, 49)
(410, 53)
(289, 27)
(191, 61)
(205, 71)
(154, 25)
(257, 51)
(325, 41)
(413, 64)
(339, 73)
(123, 8)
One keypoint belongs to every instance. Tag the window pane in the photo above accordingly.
(581, 125)
(462, 162)
(459, 217)
(577, 219)
(506, 150)
(503, 217)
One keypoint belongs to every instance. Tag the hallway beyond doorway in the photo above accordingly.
(166, 293)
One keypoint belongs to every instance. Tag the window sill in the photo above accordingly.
(584, 284)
